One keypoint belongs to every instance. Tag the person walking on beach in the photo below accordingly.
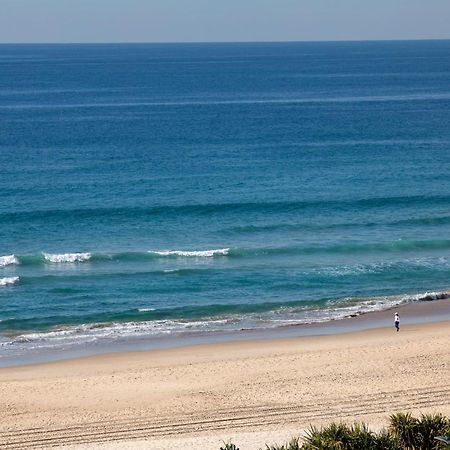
(397, 321)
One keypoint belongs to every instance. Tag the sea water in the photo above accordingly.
(171, 189)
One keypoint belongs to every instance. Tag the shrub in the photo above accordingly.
(405, 433)
(386, 441)
(419, 434)
(229, 446)
(338, 436)
(404, 427)
(428, 427)
(293, 444)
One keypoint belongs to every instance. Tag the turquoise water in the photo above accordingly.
(156, 190)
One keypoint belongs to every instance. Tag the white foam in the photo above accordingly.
(8, 280)
(91, 334)
(268, 101)
(341, 271)
(146, 309)
(441, 263)
(8, 260)
(196, 254)
(67, 257)
(429, 296)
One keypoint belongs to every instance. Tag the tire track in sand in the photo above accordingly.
(104, 431)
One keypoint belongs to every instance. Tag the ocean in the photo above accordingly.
(155, 190)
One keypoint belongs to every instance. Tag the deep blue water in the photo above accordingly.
(148, 190)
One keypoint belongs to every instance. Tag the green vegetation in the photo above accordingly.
(348, 437)
(294, 444)
(228, 446)
(405, 432)
(419, 434)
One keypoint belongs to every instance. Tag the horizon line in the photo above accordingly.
(223, 42)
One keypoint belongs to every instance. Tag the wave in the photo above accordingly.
(6, 281)
(345, 248)
(286, 279)
(321, 226)
(430, 296)
(207, 209)
(18, 334)
(397, 246)
(8, 260)
(129, 275)
(66, 257)
(305, 311)
(93, 257)
(177, 104)
(196, 253)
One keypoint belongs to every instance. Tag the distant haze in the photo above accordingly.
(215, 21)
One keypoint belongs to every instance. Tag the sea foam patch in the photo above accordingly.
(8, 260)
(67, 257)
(7, 281)
(430, 296)
(195, 254)
(97, 332)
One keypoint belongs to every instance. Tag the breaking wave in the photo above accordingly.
(158, 322)
(6, 281)
(397, 246)
(67, 257)
(195, 254)
(8, 260)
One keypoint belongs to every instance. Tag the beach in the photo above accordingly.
(250, 391)
(208, 241)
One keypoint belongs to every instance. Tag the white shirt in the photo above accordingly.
(397, 318)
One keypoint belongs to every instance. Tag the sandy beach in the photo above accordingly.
(253, 391)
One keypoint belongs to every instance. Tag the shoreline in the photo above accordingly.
(413, 312)
(247, 390)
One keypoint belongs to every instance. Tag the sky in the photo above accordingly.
(63, 21)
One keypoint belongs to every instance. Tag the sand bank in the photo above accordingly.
(253, 391)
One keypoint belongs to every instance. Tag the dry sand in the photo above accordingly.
(251, 391)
